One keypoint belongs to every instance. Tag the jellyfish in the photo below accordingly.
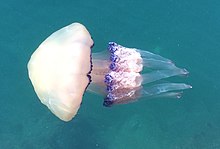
(63, 67)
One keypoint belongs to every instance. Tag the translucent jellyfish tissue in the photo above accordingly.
(63, 67)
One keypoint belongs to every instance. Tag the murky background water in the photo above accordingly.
(188, 32)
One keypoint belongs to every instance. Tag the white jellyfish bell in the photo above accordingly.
(63, 68)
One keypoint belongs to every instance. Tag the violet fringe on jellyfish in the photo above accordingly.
(63, 68)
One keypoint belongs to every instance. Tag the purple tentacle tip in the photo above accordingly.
(109, 88)
(107, 103)
(113, 58)
(112, 47)
(108, 79)
(113, 66)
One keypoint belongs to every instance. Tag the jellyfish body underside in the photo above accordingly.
(124, 80)
(63, 68)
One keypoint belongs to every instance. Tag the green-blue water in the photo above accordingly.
(188, 32)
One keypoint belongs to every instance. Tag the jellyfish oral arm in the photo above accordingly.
(162, 74)
(121, 79)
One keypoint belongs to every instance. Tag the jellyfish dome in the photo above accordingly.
(59, 67)
(62, 68)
